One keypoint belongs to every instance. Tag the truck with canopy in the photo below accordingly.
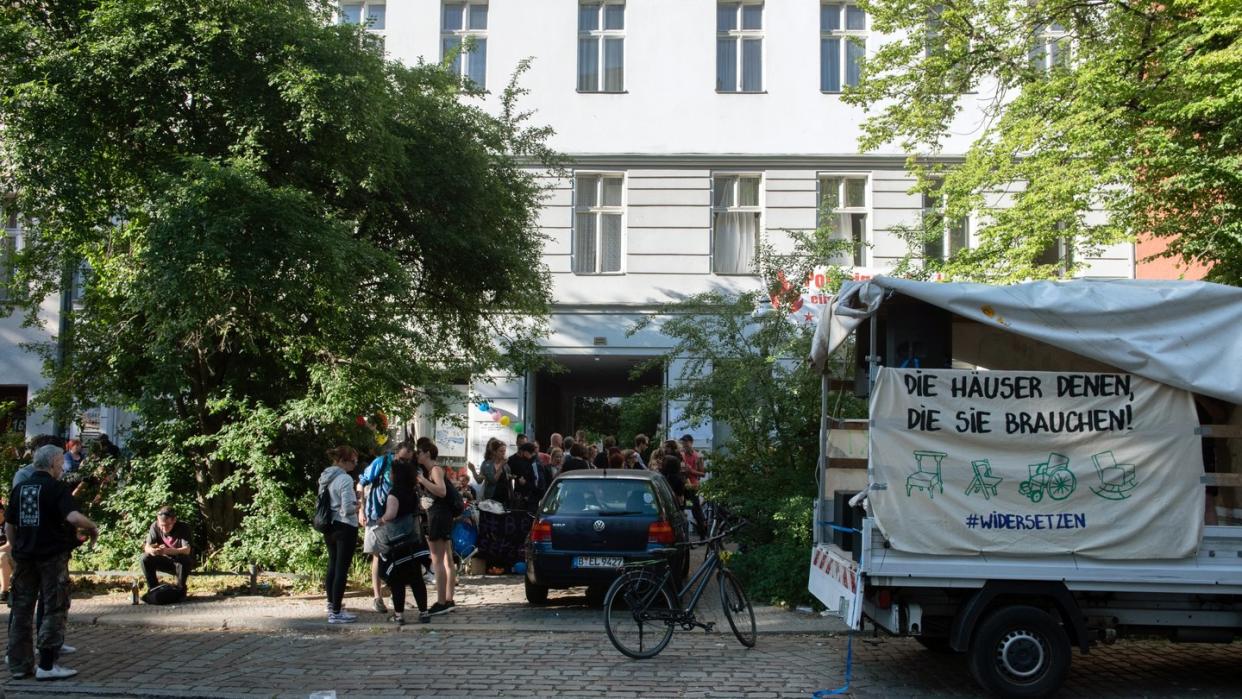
(1043, 466)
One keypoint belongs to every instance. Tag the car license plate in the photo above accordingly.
(598, 561)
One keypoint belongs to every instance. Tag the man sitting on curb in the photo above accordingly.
(167, 548)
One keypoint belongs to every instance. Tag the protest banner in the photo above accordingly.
(1035, 463)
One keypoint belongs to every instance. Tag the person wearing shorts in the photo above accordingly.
(439, 527)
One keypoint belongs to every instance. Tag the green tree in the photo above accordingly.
(283, 230)
(744, 358)
(1128, 107)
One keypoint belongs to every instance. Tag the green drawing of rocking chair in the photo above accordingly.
(926, 477)
(1116, 480)
(1052, 476)
(984, 482)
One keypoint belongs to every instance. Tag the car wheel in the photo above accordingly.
(536, 594)
(595, 595)
(1020, 651)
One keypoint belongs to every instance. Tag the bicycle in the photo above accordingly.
(640, 603)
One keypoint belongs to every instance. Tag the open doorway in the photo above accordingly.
(596, 393)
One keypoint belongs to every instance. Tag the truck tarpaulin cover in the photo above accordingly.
(1100, 465)
(1185, 334)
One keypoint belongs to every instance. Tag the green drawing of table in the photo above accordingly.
(1052, 477)
(926, 477)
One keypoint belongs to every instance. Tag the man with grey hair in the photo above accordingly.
(43, 530)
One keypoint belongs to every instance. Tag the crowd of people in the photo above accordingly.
(407, 505)
(405, 502)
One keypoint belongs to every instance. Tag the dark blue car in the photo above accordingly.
(591, 522)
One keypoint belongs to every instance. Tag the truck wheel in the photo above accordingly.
(1020, 651)
(536, 594)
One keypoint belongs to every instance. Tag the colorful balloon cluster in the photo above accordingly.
(504, 417)
(378, 423)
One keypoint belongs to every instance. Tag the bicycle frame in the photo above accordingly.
(697, 582)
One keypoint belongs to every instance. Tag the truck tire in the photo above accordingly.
(1020, 651)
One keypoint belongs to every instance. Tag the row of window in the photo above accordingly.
(601, 42)
(736, 219)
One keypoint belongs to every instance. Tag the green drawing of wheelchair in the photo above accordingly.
(1052, 477)
(1116, 480)
(926, 476)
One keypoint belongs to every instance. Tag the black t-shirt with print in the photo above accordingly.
(177, 538)
(37, 509)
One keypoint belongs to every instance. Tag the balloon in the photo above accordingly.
(382, 419)
(496, 416)
(504, 420)
(360, 421)
(381, 439)
(517, 426)
(484, 407)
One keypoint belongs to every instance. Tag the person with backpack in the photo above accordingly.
(445, 507)
(376, 482)
(340, 530)
(403, 550)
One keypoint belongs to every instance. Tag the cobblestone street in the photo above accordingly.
(495, 645)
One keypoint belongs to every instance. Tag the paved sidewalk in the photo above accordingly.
(485, 603)
(495, 644)
(422, 661)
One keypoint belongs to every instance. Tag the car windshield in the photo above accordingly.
(621, 496)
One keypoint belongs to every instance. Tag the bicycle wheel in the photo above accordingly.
(637, 615)
(737, 609)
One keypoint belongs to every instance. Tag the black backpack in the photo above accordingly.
(164, 594)
(324, 513)
(452, 497)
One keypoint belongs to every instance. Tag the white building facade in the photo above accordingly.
(694, 128)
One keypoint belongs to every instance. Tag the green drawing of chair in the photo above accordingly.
(926, 477)
(984, 482)
(1116, 480)
(1052, 477)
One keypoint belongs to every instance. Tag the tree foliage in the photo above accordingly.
(283, 230)
(1128, 107)
(744, 368)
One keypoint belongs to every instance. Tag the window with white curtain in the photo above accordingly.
(601, 46)
(1050, 47)
(598, 223)
(954, 235)
(844, 198)
(9, 235)
(735, 224)
(370, 14)
(463, 35)
(739, 47)
(842, 44)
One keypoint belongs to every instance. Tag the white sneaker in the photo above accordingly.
(56, 673)
(66, 649)
(342, 618)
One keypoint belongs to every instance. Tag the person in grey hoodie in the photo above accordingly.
(342, 536)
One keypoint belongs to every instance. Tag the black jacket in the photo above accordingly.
(524, 468)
